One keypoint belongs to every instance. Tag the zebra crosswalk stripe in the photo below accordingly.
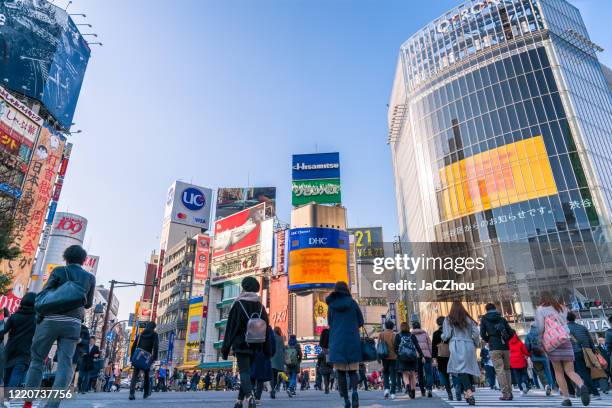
(485, 397)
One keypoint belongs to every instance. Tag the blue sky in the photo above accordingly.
(224, 92)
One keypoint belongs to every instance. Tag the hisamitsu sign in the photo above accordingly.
(316, 166)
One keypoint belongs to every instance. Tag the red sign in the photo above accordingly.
(11, 302)
(202, 257)
(279, 303)
(9, 143)
(238, 231)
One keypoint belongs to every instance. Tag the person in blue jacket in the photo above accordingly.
(345, 318)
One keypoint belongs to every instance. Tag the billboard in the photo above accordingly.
(318, 257)
(316, 166)
(505, 175)
(368, 242)
(281, 252)
(325, 191)
(31, 210)
(279, 303)
(91, 264)
(202, 257)
(231, 267)
(19, 126)
(188, 204)
(44, 56)
(232, 200)
(70, 226)
(194, 323)
(238, 231)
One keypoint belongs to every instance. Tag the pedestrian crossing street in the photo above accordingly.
(485, 397)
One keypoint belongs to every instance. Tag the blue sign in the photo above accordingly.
(193, 199)
(316, 166)
(45, 56)
(110, 336)
(302, 238)
(10, 190)
(51, 214)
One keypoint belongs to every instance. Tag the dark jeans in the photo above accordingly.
(244, 367)
(583, 371)
(161, 383)
(146, 383)
(15, 375)
(258, 386)
(445, 380)
(490, 374)
(521, 377)
(389, 377)
(274, 383)
(425, 374)
(462, 383)
(342, 384)
(84, 380)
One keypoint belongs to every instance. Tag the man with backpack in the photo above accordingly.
(540, 362)
(245, 335)
(496, 331)
(293, 359)
(60, 308)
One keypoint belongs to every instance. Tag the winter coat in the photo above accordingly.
(81, 346)
(518, 353)
(406, 365)
(148, 340)
(581, 336)
(388, 336)
(344, 318)
(89, 357)
(295, 368)
(491, 335)
(435, 340)
(462, 346)
(261, 369)
(79, 275)
(20, 328)
(237, 320)
(424, 341)
(278, 359)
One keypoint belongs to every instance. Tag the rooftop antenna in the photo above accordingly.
(68, 5)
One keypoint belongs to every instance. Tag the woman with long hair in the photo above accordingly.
(441, 359)
(409, 352)
(278, 360)
(462, 333)
(345, 318)
(550, 317)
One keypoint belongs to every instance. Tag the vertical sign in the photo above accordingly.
(202, 257)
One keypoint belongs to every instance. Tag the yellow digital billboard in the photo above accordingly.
(191, 353)
(317, 267)
(505, 175)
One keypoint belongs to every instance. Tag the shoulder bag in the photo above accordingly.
(67, 296)
(368, 347)
(141, 359)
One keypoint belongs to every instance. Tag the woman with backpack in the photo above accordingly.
(463, 335)
(440, 354)
(425, 371)
(293, 359)
(540, 362)
(408, 351)
(345, 319)
(552, 326)
(245, 335)
(518, 362)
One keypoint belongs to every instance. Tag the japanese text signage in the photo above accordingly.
(202, 257)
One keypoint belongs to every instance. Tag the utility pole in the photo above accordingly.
(109, 301)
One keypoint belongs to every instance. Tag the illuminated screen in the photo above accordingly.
(317, 267)
(505, 175)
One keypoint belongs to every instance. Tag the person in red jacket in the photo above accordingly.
(518, 362)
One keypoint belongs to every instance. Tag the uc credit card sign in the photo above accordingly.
(318, 257)
(316, 166)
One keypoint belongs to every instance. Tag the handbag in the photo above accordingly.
(67, 296)
(602, 360)
(443, 350)
(590, 358)
(141, 359)
(368, 348)
(382, 349)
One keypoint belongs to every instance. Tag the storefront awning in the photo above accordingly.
(186, 367)
(216, 365)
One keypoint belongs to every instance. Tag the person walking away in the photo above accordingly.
(148, 341)
(293, 359)
(363, 379)
(278, 360)
(608, 343)
(345, 319)
(462, 333)
(440, 354)
(117, 378)
(108, 376)
(247, 316)
(551, 320)
(581, 341)
(605, 353)
(518, 363)
(261, 370)
(424, 367)
(496, 331)
(195, 381)
(485, 360)
(163, 373)
(408, 352)
(87, 364)
(20, 328)
(389, 362)
(325, 367)
(540, 362)
(61, 323)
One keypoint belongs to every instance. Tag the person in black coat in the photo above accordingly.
(86, 369)
(20, 328)
(148, 341)
(442, 362)
(325, 368)
(246, 305)
(408, 368)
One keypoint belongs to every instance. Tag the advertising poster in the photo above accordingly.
(232, 267)
(188, 204)
(91, 264)
(238, 231)
(368, 242)
(45, 56)
(192, 342)
(318, 257)
(505, 175)
(324, 191)
(32, 207)
(202, 257)
(144, 311)
(281, 253)
(279, 303)
(320, 315)
(233, 200)
(316, 166)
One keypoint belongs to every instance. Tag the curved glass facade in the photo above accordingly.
(495, 143)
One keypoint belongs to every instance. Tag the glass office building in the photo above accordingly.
(500, 129)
